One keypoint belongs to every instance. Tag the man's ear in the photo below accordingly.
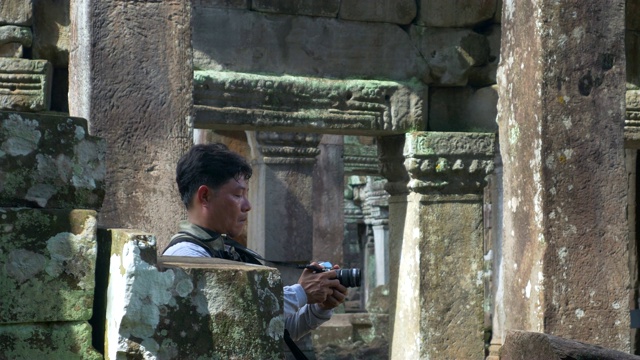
(203, 195)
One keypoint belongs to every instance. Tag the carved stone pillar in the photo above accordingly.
(377, 208)
(281, 221)
(390, 152)
(439, 307)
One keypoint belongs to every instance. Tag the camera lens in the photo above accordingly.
(349, 277)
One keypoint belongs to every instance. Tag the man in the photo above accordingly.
(212, 181)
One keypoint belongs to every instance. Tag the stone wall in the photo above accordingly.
(51, 184)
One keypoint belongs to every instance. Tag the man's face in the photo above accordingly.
(229, 207)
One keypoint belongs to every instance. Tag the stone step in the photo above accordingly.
(50, 161)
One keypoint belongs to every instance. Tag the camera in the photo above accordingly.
(347, 277)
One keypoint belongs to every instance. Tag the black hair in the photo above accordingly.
(208, 164)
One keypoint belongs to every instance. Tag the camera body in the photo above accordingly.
(347, 277)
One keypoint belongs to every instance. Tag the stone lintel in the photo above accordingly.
(25, 85)
(240, 101)
(288, 148)
(452, 163)
(47, 265)
(360, 159)
(177, 307)
(50, 161)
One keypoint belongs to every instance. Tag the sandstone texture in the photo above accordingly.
(397, 12)
(633, 59)
(12, 50)
(252, 42)
(451, 53)
(522, 345)
(51, 29)
(227, 100)
(461, 13)
(50, 161)
(195, 308)
(353, 336)
(132, 72)
(47, 264)
(16, 12)
(70, 340)
(223, 4)
(463, 109)
(565, 231)
(25, 85)
(442, 261)
(15, 34)
(298, 7)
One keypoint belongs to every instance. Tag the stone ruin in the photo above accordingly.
(477, 159)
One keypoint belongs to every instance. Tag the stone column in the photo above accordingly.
(439, 307)
(377, 208)
(328, 196)
(130, 76)
(561, 116)
(390, 153)
(281, 189)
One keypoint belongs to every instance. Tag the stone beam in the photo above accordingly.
(239, 101)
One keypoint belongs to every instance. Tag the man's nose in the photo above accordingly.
(246, 206)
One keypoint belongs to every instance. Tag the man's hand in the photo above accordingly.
(336, 297)
(318, 286)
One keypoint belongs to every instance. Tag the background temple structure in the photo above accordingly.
(476, 158)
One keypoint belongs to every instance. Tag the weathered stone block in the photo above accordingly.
(231, 4)
(50, 161)
(463, 109)
(252, 42)
(397, 12)
(16, 12)
(360, 158)
(15, 34)
(235, 101)
(47, 257)
(70, 340)
(464, 13)
(353, 336)
(451, 53)
(486, 75)
(522, 345)
(14, 50)
(51, 28)
(327, 8)
(25, 85)
(195, 308)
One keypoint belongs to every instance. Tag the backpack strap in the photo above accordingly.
(184, 236)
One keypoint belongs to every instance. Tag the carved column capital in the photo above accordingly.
(632, 120)
(287, 148)
(448, 163)
(391, 157)
(376, 202)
